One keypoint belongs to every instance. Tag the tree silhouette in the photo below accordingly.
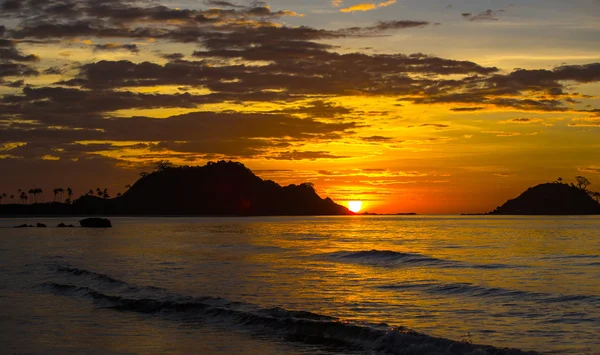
(582, 182)
(560, 180)
(162, 165)
(105, 193)
(119, 194)
(1, 197)
(90, 193)
(69, 193)
(12, 198)
(23, 197)
(128, 186)
(98, 192)
(55, 191)
(31, 194)
(595, 195)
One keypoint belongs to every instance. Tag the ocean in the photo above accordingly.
(302, 285)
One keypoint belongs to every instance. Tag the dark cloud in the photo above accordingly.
(467, 109)
(381, 26)
(222, 3)
(173, 56)
(116, 46)
(12, 54)
(15, 84)
(487, 15)
(436, 125)
(16, 69)
(307, 155)
(377, 139)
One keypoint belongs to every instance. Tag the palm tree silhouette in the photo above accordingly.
(31, 194)
(105, 193)
(1, 197)
(12, 198)
(69, 193)
(60, 193)
(23, 197)
(55, 193)
(98, 192)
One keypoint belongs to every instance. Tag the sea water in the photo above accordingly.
(301, 285)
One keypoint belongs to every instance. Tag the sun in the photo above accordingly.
(355, 206)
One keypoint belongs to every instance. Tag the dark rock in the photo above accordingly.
(62, 225)
(41, 225)
(550, 199)
(70, 226)
(95, 223)
(22, 226)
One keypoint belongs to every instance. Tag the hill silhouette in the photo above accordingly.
(222, 188)
(550, 199)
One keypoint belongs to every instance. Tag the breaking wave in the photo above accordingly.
(467, 289)
(277, 322)
(388, 258)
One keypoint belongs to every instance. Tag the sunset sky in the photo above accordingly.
(423, 106)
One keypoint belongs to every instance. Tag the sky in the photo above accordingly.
(407, 105)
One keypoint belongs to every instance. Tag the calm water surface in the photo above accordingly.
(229, 285)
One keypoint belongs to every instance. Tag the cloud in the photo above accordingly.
(367, 6)
(585, 122)
(467, 109)
(305, 155)
(377, 139)
(502, 133)
(487, 15)
(337, 3)
(593, 170)
(116, 46)
(381, 26)
(285, 81)
(222, 3)
(436, 125)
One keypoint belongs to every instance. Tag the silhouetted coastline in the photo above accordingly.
(216, 189)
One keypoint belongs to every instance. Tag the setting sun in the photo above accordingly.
(355, 206)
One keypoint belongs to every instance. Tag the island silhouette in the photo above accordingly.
(221, 188)
(556, 198)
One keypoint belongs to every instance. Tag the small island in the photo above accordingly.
(555, 198)
(216, 189)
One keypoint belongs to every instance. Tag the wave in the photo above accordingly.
(301, 326)
(387, 258)
(471, 290)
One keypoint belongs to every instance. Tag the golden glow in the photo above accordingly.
(355, 206)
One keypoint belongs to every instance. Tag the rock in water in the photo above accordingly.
(41, 225)
(62, 225)
(95, 223)
(22, 226)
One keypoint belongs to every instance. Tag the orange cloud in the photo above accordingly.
(366, 6)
